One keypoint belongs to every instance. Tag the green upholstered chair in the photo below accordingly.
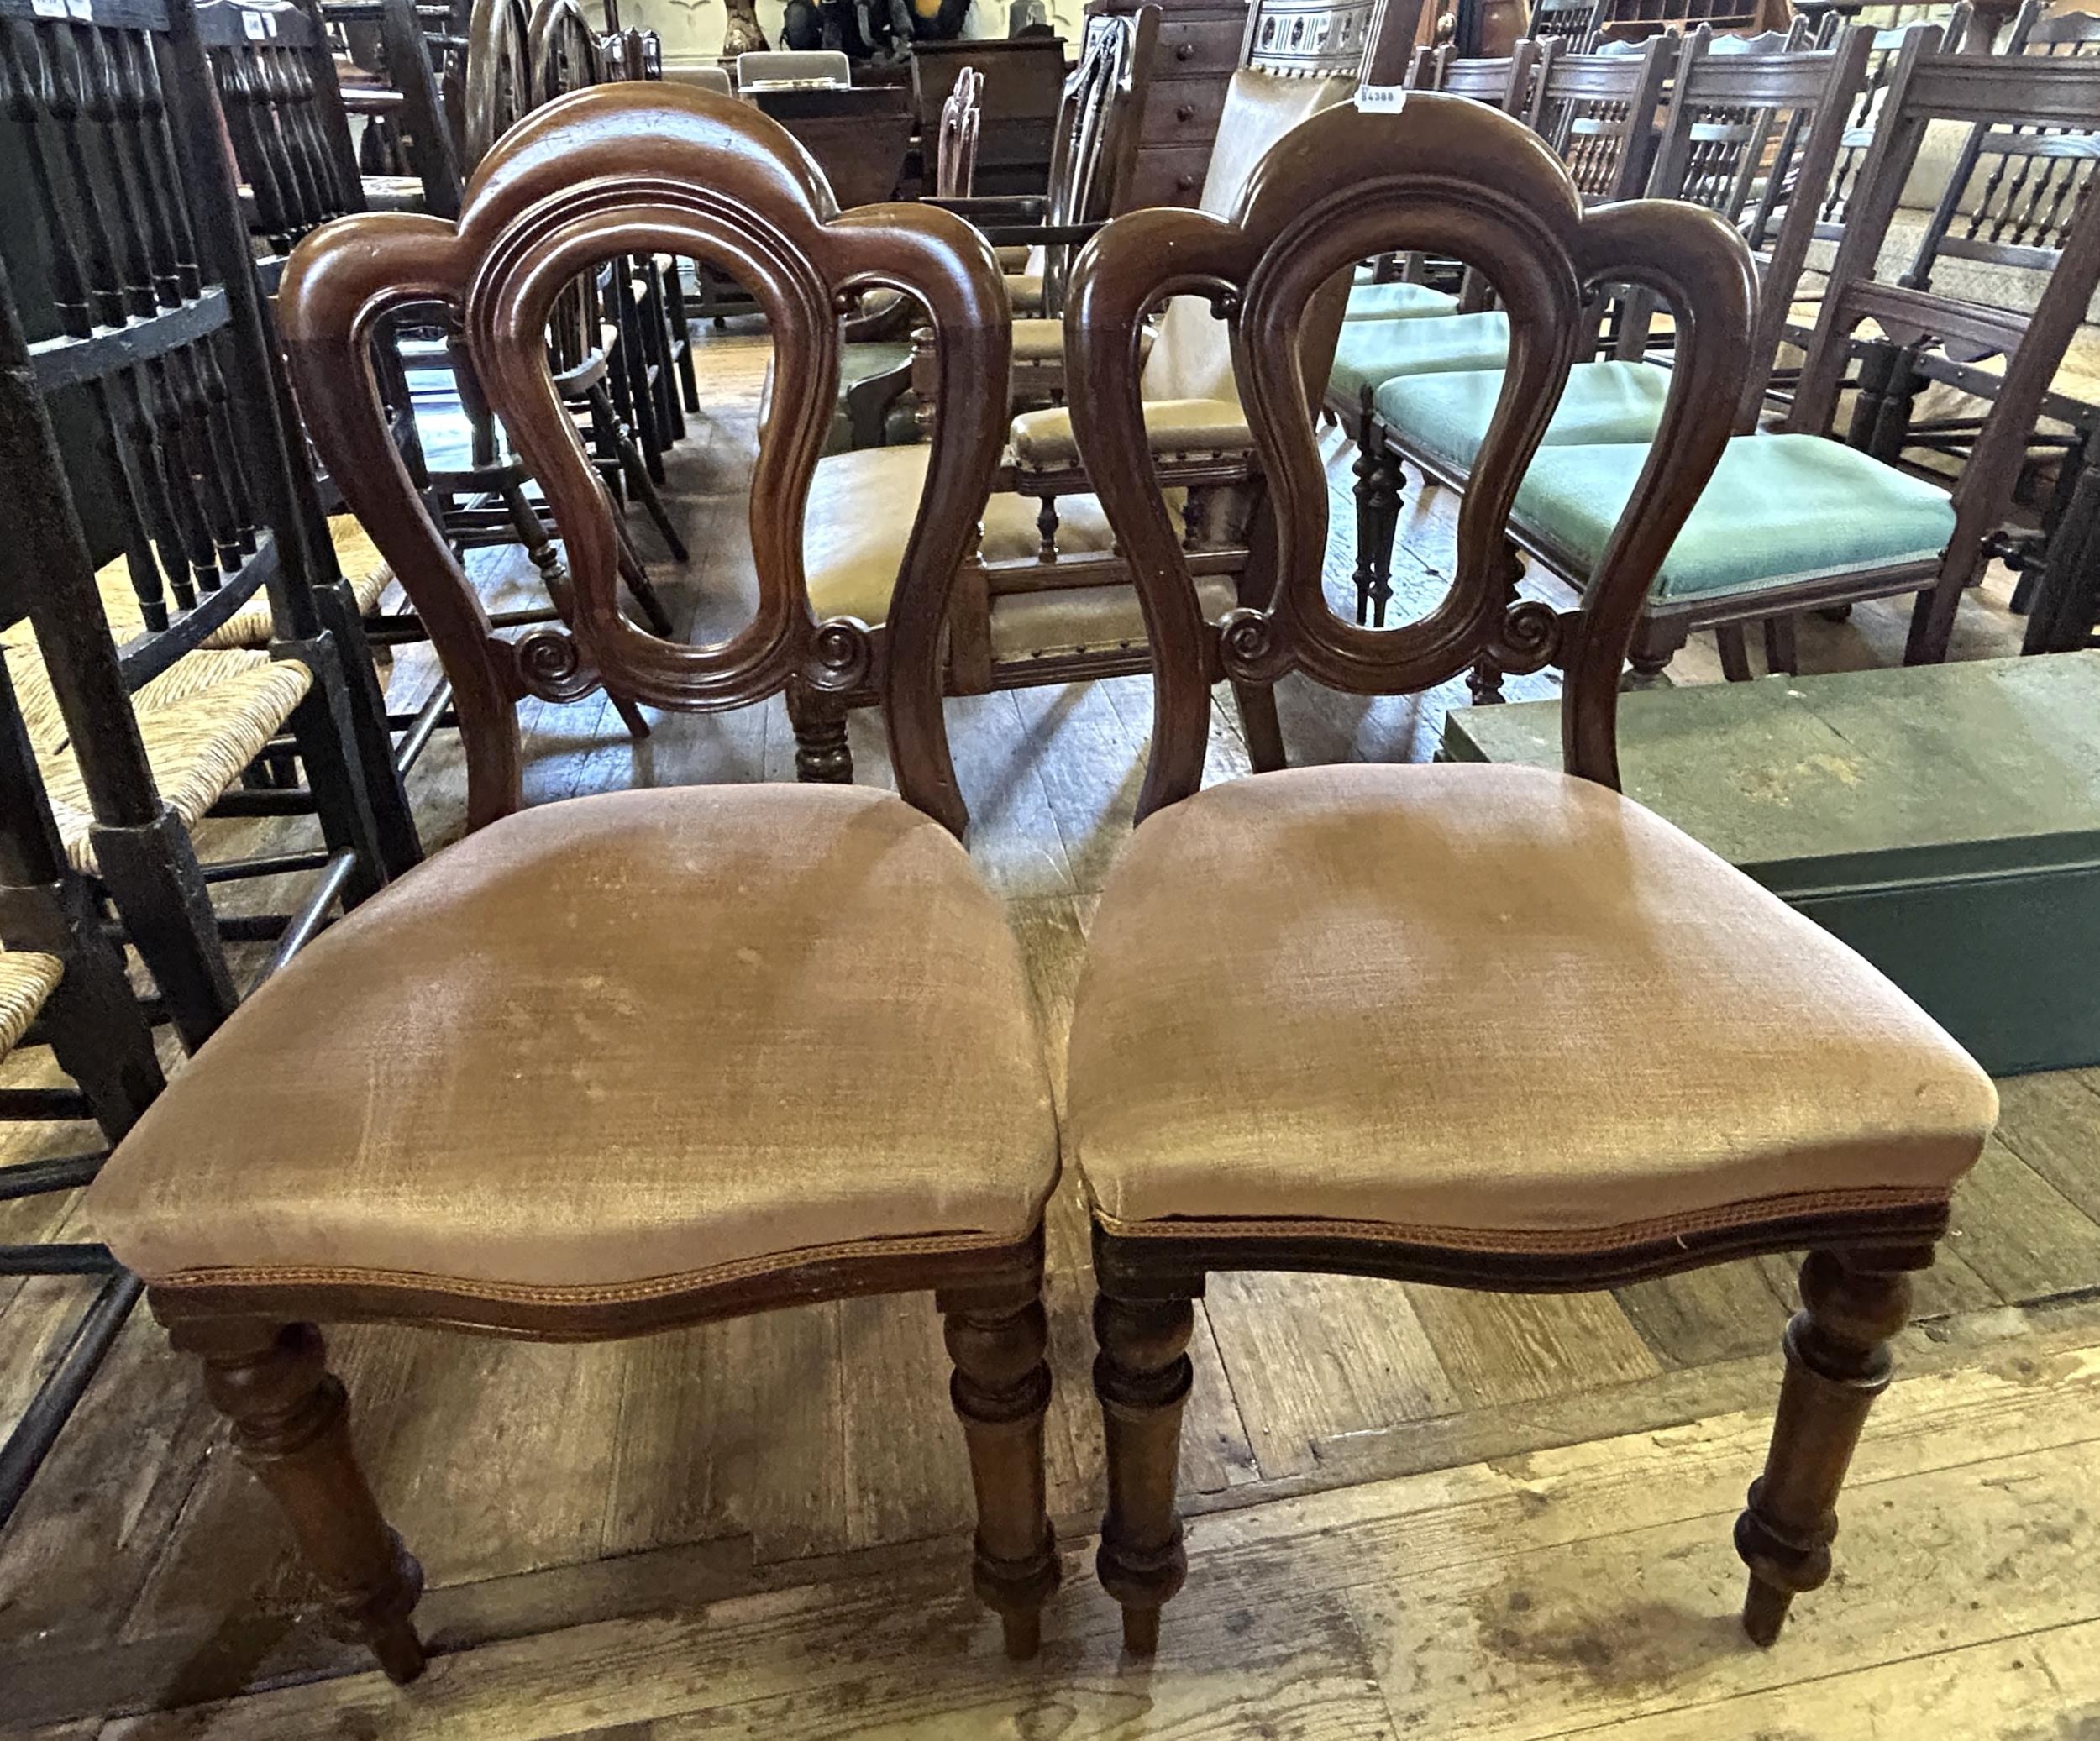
(1598, 111)
(1753, 131)
(1799, 518)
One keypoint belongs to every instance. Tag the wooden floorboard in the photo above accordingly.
(1414, 1512)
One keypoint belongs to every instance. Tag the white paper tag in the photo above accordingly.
(84, 10)
(48, 8)
(253, 26)
(1382, 99)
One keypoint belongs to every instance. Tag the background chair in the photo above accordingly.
(455, 1198)
(1403, 1021)
(158, 495)
(1046, 599)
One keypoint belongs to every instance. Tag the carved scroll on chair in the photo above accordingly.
(1483, 1027)
(449, 1170)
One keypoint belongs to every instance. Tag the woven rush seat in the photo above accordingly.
(1650, 1044)
(509, 1087)
(198, 740)
(26, 980)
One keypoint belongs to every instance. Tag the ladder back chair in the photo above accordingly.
(1317, 1029)
(854, 989)
(1045, 598)
(63, 987)
(168, 511)
(1753, 134)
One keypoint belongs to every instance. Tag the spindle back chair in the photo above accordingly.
(139, 343)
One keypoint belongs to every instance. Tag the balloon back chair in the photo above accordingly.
(507, 1101)
(1481, 1027)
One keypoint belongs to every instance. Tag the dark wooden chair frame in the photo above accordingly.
(147, 291)
(611, 170)
(1477, 185)
(1598, 111)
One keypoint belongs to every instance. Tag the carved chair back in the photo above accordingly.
(1888, 46)
(1299, 59)
(276, 73)
(1754, 133)
(962, 117)
(563, 50)
(619, 169)
(1094, 148)
(140, 337)
(499, 73)
(1598, 111)
(2050, 107)
(1459, 179)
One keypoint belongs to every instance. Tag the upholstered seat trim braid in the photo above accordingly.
(646, 1288)
(1599, 1241)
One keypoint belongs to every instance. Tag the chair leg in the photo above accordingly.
(822, 756)
(636, 576)
(1837, 1363)
(292, 1429)
(1264, 731)
(1002, 1391)
(1385, 523)
(1735, 651)
(1781, 655)
(1365, 469)
(1141, 1377)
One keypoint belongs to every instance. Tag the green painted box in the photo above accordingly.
(1943, 820)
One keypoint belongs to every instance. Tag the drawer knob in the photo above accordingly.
(1183, 182)
(1186, 112)
(1183, 50)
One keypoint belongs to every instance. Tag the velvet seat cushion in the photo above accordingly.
(1372, 352)
(1488, 1008)
(1398, 302)
(1778, 508)
(859, 517)
(694, 1032)
(1448, 415)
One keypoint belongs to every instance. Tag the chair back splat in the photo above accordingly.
(628, 169)
(1452, 176)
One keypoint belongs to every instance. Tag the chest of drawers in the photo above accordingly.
(1198, 47)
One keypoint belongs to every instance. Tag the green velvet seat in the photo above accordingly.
(1779, 508)
(1447, 415)
(1372, 352)
(1398, 302)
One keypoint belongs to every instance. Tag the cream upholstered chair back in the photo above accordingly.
(645, 168)
(1299, 59)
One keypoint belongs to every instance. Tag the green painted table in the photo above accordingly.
(1943, 820)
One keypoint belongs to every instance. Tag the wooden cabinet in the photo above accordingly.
(1198, 47)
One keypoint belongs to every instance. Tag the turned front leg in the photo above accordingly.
(290, 1424)
(1001, 1390)
(1837, 1363)
(1141, 1375)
